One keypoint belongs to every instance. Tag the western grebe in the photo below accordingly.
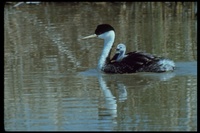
(120, 53)
(133, 62)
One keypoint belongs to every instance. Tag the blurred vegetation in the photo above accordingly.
(174, 6)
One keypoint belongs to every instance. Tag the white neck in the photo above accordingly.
(109, 38)
(120, 56)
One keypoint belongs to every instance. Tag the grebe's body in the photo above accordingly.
(127, 63)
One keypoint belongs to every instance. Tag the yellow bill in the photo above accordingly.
(90, 36)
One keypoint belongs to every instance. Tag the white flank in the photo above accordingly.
(166, 64)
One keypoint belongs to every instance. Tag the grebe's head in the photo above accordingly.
(103, 31)
(120, 52)
(121, 48)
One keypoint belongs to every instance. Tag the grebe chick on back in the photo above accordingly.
(120, 53)
(133, 62)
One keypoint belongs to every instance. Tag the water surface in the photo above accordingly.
(50, 77)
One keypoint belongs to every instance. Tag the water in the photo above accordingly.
(50, 77)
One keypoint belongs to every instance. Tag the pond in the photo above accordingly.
(50, 77)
